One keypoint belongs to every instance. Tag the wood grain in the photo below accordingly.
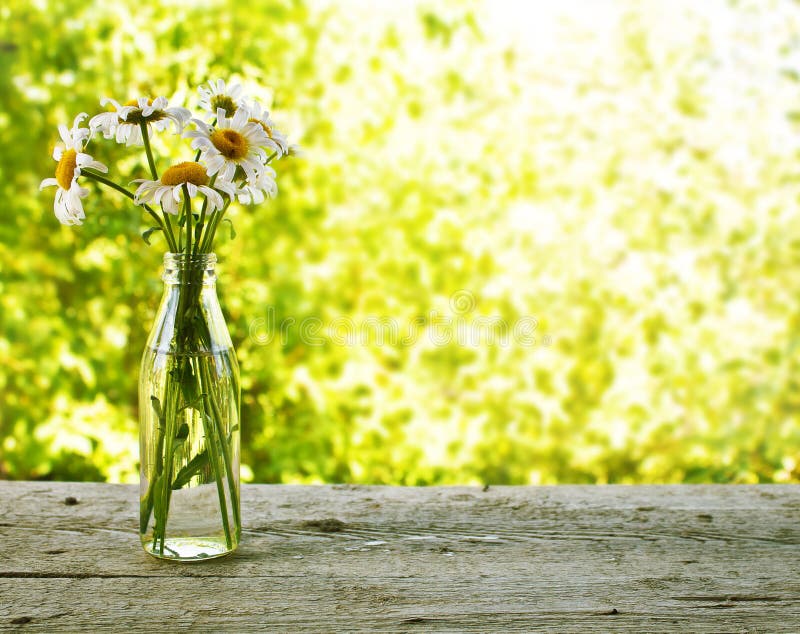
(345, 558)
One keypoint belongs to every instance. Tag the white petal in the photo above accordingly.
(215, 163)
(227, 171)
(184, 114)
(134, 134)
(145, 191)
(250, 173)
(239, 119)
(99, 121)
(170, 206)
(201, 125)
(124, 111)
(65, 135)
(213, 197)
(97, 165)
(163, 195)
(79, 119)
(107, 100)
(123, 132)
(225, 186)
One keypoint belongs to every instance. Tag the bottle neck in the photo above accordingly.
(189, 319)
(182, 269)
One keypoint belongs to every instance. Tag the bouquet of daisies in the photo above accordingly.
(188, 386)
(235, 142)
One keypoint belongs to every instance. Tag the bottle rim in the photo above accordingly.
(187, 261)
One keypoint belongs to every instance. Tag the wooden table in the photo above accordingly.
(347, 558)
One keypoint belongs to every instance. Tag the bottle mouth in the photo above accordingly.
(183, 261)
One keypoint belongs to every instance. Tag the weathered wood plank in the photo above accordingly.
(342, 558)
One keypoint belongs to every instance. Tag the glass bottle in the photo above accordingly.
(189, 420)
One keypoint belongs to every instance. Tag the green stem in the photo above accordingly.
(157, 469)
(95, 176)
(147, 508)
(214, 441)
(147, 150)
(171, 413)
(168, 222)
(201, 225)
(176, 381)
(199, 228)
(226, 456)
(187, 212)
(212, 229)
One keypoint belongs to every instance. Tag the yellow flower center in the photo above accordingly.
(266, 128)
(230, 144)
(135, 102)
(186, 172)
(65, 170)
(224, 102)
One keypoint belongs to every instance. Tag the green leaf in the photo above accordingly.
(191, 469)
(145, 509)
(183, 433)
(159, 502)
(233, 231)
(194, 404)
(189, 385)
(156, 407)
(146, 234)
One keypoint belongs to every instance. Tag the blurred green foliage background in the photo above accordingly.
(624, 172)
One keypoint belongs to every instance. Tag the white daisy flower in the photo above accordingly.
(255, 193)
(233, 142)
(218, 95)
(277, 138)
(71, 159)
(123, 123)
(168, 190)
